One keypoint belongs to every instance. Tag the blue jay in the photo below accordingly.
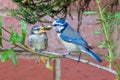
(71, 39)
(38, 38)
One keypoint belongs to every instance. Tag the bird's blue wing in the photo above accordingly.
(78, 40)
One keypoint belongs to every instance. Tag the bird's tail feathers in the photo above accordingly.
(92, 54)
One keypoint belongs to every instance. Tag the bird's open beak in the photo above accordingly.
(42, 30)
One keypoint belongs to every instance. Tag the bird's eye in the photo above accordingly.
(37, 29)
(55, 25)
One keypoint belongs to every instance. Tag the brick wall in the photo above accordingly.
(89, 25)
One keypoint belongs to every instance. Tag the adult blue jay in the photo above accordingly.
(38, 38)
(72, 40)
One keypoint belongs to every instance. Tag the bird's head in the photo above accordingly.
(38, 30)
(59, 25)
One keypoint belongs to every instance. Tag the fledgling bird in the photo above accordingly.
(72, 40)
(38, 38)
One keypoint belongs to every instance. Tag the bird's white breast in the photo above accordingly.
(69, 46)
(38, 41)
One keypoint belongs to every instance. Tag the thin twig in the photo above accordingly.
(6, 30)
(31, 51)
(15, 50)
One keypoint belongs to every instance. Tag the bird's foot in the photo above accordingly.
(66, 53)
(79, 57)
(40, 51)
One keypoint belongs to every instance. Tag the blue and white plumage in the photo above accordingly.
(72, 40)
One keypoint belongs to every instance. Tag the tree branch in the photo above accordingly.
(59, 55)
(83, 61)
(93, 64)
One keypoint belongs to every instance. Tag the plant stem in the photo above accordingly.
(105, 31)
(110, 49)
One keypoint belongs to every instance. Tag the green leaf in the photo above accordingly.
(15, 38)
(51, 56)
(89, 12)
(103, 45)
(106, 57)
(117, 15)
(24, 30)
(6, 55)
(14, 60)
(0, 55)
(48, 66)
(97, 32)
(1, 23)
